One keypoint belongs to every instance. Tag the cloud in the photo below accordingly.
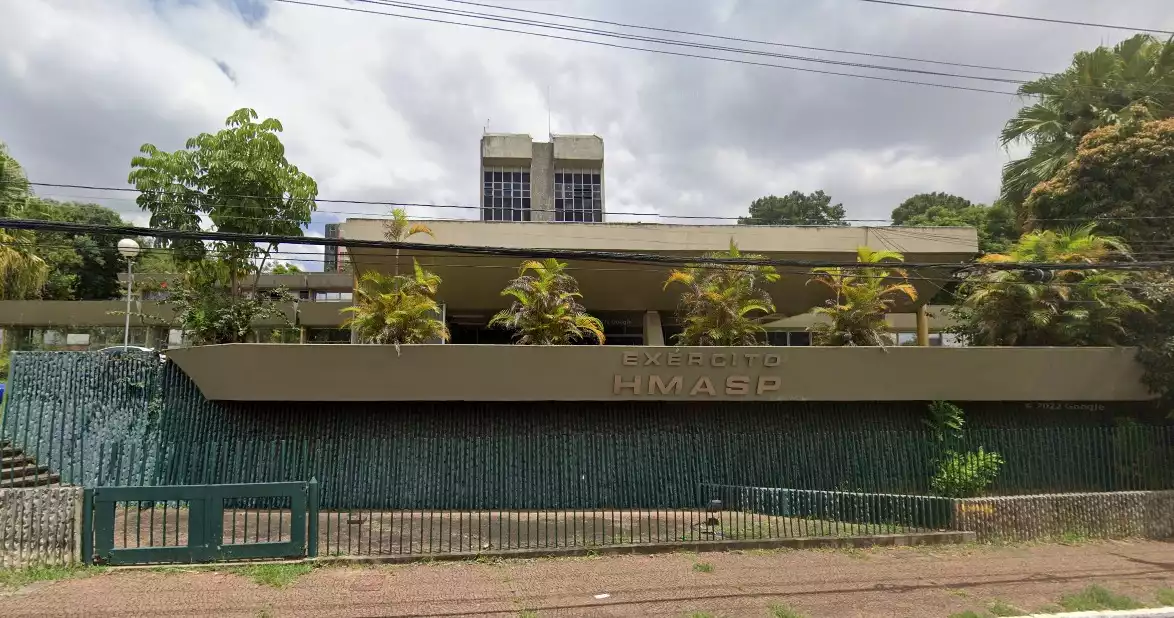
(377, 108)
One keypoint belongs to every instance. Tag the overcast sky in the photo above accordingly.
(386, 108)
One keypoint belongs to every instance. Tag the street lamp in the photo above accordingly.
(129, 250)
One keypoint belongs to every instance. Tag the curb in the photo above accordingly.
(1159, 612)
(878, 540)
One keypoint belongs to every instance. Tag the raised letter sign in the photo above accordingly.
(631, 359)
(655, 384)
(768, 383)
(703, 385)
(620, 385)
(738, 385)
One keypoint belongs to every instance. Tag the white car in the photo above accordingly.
(119, 349)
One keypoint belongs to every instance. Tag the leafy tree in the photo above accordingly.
(239, 179)
(720, 302)
(81, 266)
(546, 308)
(285, 269)
(397, 309)
(210, 313)
(1132, 81)
(863, 295)
(1122, 179)
(795, 208)
(1035, 308)
(995, 224)
(923, 203)
(22, 273)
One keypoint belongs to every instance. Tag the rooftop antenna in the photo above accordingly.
(485, 129)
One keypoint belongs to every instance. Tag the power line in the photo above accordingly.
(402, 204)
(1023, 17)
(744, 40)
(585, 255)
(649, 50)
(318, 258)
(691, 44)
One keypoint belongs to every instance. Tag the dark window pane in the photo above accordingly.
(526, 177)
(595, 179)
(800, 337)
(488, 176)
(496, 176)
(526, 203)
(558, 178)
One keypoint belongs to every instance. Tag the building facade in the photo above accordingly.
(561, 180)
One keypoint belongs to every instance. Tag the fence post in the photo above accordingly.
(87, 525)
(312, 513)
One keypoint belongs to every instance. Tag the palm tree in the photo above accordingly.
(720, 300)
(1029, 307)
(1133, 81)
(546, 308)
(399, 228)
(863, 295)
(397, 309)
(22, 273)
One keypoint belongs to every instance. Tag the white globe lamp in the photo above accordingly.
(128, 248)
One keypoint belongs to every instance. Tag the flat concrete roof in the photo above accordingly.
(474, 283)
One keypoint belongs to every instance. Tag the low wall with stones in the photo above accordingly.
(40, 525)
(1126, 514)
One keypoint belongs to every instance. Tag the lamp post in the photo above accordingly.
(129, 250)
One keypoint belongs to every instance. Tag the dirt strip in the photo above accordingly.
(915, 582)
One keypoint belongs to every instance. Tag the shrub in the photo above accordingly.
(965, 475)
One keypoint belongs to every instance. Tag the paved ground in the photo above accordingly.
(915, 582)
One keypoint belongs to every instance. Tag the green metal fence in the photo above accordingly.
(411, 477)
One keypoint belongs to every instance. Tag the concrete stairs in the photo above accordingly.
(20, 470)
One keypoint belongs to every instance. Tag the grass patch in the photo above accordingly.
(11, 579)
(1000, 608)
(703, 567)
(778, 610)
(527, 613)
(701, 615)
(1094, 598)
(1165, 597)
(274, 575)
(966, 614)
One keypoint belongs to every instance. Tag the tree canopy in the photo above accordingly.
(1122, 178)
(1132, 81)
(795, 208)
(996, 225)
(240, 180)
(238, 177)
(22, 273)
(81, 266)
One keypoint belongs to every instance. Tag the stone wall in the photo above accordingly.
(1145, 514)
(40, 525)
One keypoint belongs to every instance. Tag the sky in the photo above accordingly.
(392, 109)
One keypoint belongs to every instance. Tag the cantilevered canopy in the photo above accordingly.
(474, 282)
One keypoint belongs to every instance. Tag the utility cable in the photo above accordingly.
(742, 40)
(691, 44)
(1023, 17)
(649, 50)
(585, 255)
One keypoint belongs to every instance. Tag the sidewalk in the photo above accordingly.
(916, 582)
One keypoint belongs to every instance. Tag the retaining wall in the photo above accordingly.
(1147, 514)
(40, 525)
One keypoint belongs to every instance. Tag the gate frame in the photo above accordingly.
(205, 524)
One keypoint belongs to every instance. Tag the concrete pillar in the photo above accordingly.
(922, 326)
(653, 331)
(302, 335)
(542, 182)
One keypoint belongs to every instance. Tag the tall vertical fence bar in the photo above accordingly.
(464, 477)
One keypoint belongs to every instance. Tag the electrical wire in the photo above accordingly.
(649, 50)
(743, 40)
(690, 44)
(1023, 17)
(586, 255)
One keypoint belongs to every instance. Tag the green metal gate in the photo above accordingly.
(199, 523)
